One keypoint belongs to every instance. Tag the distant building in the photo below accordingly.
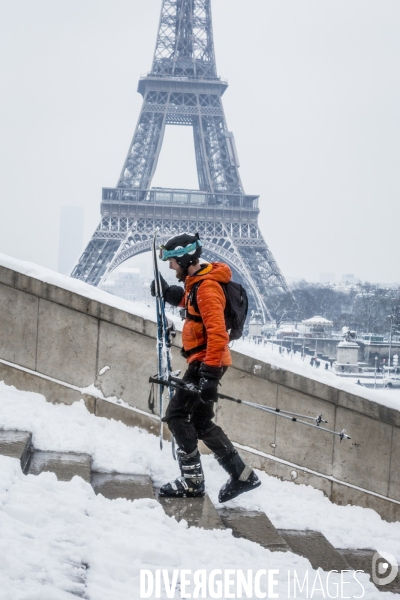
(374, 338)
(317, 327)
(287, 332)
(349, 278)
(327, 277)
(125, 282)
(71, 238)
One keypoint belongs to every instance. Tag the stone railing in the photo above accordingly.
(56, 342)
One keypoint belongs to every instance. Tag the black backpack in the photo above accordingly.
(236, 308)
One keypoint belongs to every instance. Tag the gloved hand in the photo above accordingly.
(208, 384)
(164, 286)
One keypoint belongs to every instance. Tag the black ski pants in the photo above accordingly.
(190, 420)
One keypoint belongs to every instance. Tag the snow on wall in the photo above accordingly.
(76, 286)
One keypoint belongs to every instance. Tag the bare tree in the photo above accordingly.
(280, 306)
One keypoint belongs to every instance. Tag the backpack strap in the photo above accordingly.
(192, 299)
(188, 353)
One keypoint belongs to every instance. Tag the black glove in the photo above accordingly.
(208, 384)
(174, 294)
(164, 286)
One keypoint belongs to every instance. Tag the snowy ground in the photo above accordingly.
(46, 526)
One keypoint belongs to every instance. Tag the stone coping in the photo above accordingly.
(75, 301)
(242, 362)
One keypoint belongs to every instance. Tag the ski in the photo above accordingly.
(163, 342)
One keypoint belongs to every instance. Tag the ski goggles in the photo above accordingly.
(180, 251)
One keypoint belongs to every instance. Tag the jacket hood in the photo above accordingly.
(216, 271)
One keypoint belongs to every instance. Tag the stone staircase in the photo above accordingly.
(198, 512)
(254, 526)
(64, 465)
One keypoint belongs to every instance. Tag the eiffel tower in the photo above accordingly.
(183, 88)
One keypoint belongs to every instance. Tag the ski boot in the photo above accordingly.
(242, 477)
(191, 483)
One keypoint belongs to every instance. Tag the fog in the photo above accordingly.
(313, 102)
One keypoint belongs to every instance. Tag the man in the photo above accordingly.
(205, 346)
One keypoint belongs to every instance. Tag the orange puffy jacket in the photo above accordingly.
(210, 332)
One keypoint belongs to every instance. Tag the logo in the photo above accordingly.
(384, 568)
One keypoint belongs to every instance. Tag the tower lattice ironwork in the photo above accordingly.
(183, 88)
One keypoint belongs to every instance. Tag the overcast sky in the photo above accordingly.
(314, 103)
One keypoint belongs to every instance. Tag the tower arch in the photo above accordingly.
(183, 88)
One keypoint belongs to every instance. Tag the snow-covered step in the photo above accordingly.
(314, 546)
(117, 485)
(362, 560)
(198, 512)
(17, 444)
(77, 574)
(64, 464)
(253, 526)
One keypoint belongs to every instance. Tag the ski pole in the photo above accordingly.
(174, 382)
(342, 434)
(171, 384)
(318, 419)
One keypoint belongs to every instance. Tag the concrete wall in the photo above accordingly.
(370, 350)
(49, 333)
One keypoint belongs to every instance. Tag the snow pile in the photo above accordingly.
(48, 528)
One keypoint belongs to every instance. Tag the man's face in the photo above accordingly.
(179, 273)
